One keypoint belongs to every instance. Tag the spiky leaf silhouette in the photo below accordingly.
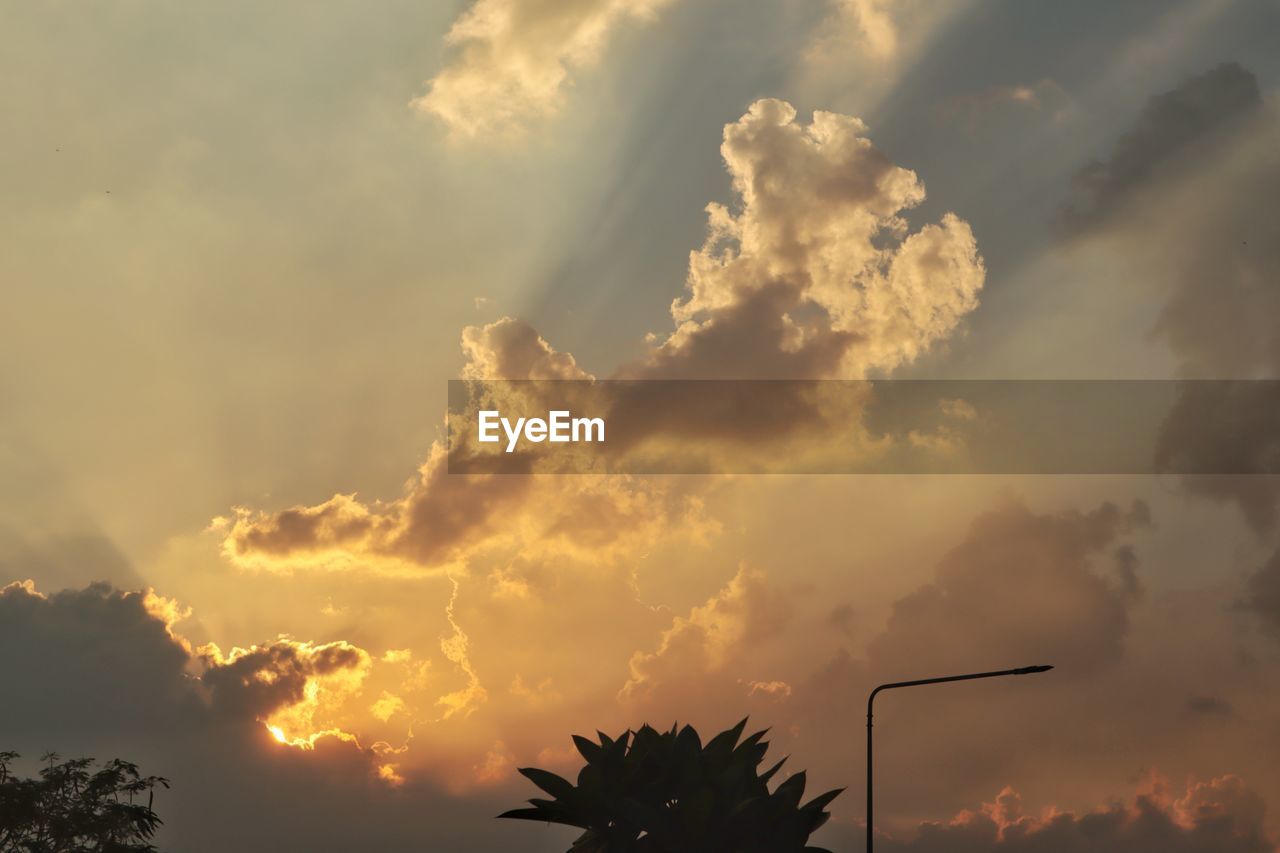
(665, 792)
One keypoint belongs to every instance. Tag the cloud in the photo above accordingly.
(97, 672)
(455, 647)
(746, 611)
(512, 60)
(432, 525)
(1263, 595)
(1223, 253)
(881, 31)
(1175, 129)
(782, 286)
(1187, 196)
(296, 689)
(444, 521)
(53, 653)
(813, 271)
(861, 47)
(779, 689)
(109, 644)
(1022, 584)
(872, 24)
(512, 349)
(1220, 815)
(1019, 587)
(1225, 427)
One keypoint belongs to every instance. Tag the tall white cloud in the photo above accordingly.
(814, 271)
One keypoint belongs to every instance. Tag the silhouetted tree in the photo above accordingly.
(71, 808)
(651, 792)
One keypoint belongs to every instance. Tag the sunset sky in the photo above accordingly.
(244, 246)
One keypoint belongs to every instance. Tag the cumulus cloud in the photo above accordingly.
(813, 271)
(782, 286)
(512, 60)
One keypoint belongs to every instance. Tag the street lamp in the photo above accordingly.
(1025, 670)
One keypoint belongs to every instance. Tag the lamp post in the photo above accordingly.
(1025, 670)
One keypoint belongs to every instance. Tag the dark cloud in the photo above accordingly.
(1021, 587)
(78, 657)
(1263, 596)
(96, 672)
(1175, 128)
(1220, 321)
(1224, 262)
(1227, 426)
(1197, 178)
(1020, 584)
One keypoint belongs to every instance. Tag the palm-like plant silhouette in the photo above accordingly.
(652, 792)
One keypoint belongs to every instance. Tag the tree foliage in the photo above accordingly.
(73, 808)
(652, 792)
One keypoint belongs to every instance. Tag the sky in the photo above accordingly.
(244, 247)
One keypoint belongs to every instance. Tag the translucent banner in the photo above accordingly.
(1210, 427)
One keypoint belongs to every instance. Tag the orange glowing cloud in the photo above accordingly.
(1220, 814)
